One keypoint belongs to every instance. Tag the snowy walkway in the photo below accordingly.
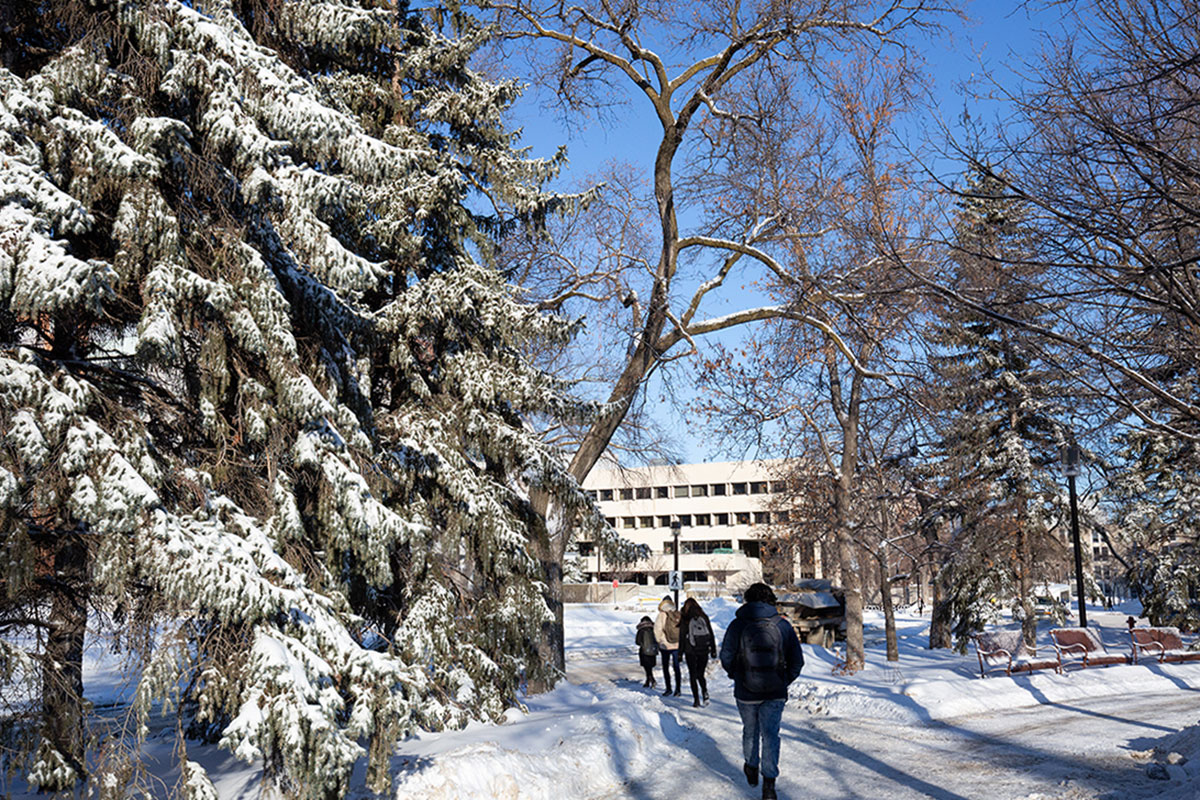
(622, 741)
(890, 732)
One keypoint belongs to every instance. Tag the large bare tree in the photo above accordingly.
(1101, 148)
(740, 176)
(813, 382)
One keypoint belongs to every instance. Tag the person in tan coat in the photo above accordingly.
(666, 633)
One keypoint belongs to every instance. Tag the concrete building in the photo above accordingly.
(725, 511)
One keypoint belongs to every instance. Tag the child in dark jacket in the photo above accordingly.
(647, 649)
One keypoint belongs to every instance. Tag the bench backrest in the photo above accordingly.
(1169, 638)
(1011, 641)
(1080, 636)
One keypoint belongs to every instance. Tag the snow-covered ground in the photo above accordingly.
(926, 726)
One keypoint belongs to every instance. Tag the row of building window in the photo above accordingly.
(749, 548)
(700, 520)
(690, 490)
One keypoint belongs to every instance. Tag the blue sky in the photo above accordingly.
(996, 40)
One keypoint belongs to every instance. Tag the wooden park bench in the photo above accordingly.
(1082, 646)
(1162, 644)
(1006, 651)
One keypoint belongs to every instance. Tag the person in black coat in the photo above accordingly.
(698, 643)
(647, 649)
(762, 654)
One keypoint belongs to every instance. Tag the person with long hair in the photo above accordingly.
(698, 642)
(666, 633)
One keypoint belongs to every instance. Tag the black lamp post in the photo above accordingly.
(1070, 462)
(675, 533)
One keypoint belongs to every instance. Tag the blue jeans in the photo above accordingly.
(760, 721)
(669, 658)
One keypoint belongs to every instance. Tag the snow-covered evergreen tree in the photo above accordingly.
(1155, 493)
(1000, 401)
(261, 406)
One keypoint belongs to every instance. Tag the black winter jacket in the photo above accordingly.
(793, 656)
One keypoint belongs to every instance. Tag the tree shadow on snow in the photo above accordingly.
(997, 750)
(691, 739)
(817, 738)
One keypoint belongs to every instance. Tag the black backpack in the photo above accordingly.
(698, 637)
(760, 652)
(647, 645)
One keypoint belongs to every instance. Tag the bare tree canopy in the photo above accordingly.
(1103, 150)
(743, 95)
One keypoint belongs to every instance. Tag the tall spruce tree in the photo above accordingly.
(262, 399)
(999, 415)
(1155, 492)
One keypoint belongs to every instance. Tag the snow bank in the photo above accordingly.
(576, 742)
(945, 699)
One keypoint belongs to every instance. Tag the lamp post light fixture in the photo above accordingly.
(1070, 462)
(675, 533)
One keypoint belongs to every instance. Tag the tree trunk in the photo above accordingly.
(63, 725)
(940, 622)
(850, 582)
(548, 550)
(889, 610)
(851, 577)
(1024, 589)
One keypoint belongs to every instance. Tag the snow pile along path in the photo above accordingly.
(588, 742)
(947, 699)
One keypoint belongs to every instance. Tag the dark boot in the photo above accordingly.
(769, 789)
(695, 702)
(667, 693)
(751, 774)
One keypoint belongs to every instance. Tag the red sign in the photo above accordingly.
(616, 583)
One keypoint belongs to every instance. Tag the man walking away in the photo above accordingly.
(761, 653)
